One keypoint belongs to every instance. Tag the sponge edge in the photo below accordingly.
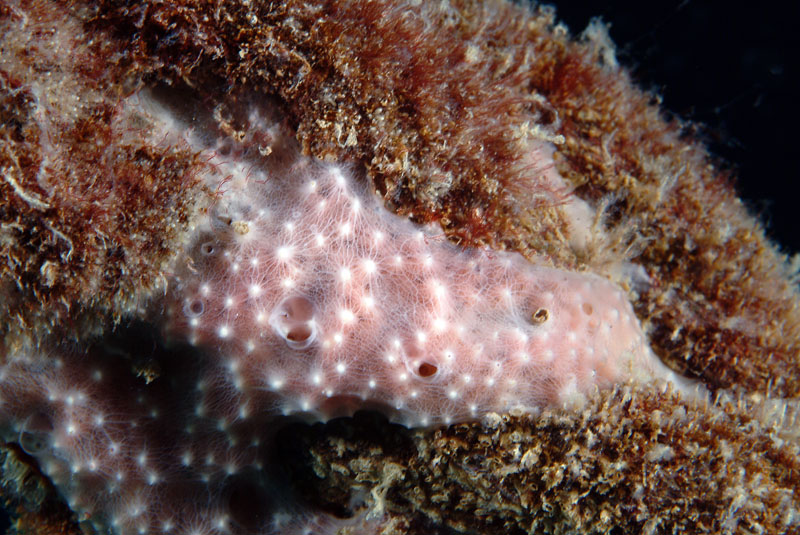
(321, 297)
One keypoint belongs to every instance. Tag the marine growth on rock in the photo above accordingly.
(221, 219)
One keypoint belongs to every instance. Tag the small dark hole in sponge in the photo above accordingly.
(294, 321)
(299, 333)
(540, 316)
(194, 308)
(427, 370)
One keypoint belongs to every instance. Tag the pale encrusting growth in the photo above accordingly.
(301, 294)
(310, 289)
(132, 458)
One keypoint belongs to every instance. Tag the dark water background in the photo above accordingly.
(730, 66)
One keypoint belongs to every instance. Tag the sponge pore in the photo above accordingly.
(319, 295)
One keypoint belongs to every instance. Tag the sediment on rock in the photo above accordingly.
(31, 498)
(632, 461)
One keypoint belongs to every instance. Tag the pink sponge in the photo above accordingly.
(303, 295)
(317, 294)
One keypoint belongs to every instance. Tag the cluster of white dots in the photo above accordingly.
(120, 450)
(322, 296)
(302, 294)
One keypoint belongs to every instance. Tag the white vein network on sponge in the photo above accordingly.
(318, 294)
(302, 294)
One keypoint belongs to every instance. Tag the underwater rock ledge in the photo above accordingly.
(485, 118)
(632, 460)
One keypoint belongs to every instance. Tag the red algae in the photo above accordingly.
(93, 207)
(138, 141)
(409, 106)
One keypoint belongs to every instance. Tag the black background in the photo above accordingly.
(729, 67)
